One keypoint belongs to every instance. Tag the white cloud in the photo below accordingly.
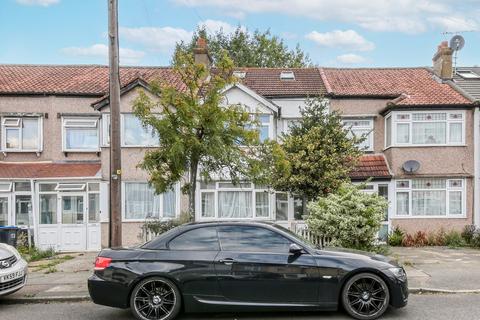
(42, 3)
(454, 24)
(214, 26)
(162, 39)
(408, 16)
(350, 58)
(127, 56)
(348, 39)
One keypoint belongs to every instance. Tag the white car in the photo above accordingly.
(13, 270)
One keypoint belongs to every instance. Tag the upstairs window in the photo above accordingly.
(80, 134)
(135, 135)
(21, 134)
(361, 128)
(425, 128)
(264, 127)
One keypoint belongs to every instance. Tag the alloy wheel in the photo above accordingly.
(366, 296)
(155, 299)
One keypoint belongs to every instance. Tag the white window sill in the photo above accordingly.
(425, 145)
(462, 216)
(82, 150)
(20, 151)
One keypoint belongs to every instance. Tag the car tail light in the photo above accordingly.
(102, 263)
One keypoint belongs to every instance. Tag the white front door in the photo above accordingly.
(94, 240)
(4, 212)
(73, 229)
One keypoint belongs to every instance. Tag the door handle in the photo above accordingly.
(227, 261)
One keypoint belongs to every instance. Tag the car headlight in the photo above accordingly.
(399, 273)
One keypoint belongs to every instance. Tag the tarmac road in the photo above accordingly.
(427, 306)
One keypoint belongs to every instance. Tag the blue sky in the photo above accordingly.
(347, 33)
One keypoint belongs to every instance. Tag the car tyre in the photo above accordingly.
(155, 298)
(365, 296)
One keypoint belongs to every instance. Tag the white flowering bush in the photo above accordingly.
(351, 217)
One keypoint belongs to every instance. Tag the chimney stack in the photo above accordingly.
(201, 53)
(442, 61)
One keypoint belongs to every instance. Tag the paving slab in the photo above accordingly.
(440, 267)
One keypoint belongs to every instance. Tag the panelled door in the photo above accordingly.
(73, 228)
(94, 240)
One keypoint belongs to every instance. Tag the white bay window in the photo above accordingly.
(80, 134)
(224, 200)
(425, 128)
(21, 134)
(141, 202)
(430, 197)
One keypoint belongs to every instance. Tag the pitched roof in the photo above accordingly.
(405, 86)
(93, 79)
(371, 166)
(470, 85)
(267, 82)
(73, 79)
(22, 170)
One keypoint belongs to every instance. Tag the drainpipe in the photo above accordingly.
(476, 159)
(34, 216)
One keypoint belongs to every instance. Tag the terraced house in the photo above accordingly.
(54, 153)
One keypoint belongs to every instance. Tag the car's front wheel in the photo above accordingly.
(155, 299)
(365, 296)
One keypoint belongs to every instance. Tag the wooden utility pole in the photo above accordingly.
(115, 234)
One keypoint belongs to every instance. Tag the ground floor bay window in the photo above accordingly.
(140, 202)
(424, 198)
(223, 200)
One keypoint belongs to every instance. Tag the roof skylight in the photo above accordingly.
(287, 75)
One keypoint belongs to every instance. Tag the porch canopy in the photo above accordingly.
(39, 170)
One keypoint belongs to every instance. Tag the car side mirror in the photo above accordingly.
(295, 249)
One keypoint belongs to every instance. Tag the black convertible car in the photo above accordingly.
(239, 266)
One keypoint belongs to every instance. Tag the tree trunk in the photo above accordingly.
(193, 188)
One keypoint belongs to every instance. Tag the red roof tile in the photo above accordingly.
(10, 170)
(407, 86)
(371, 166)
(267, 82)
(93, 79)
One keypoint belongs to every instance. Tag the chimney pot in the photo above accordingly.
(201, 53)
(442, 61)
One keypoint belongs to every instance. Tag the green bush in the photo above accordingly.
(395, 238)
(351, 217)
(454, 239)
(34, 254)
(468, 233)
(158, 227)
(475, 242)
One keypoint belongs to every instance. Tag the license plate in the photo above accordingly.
(11, 276)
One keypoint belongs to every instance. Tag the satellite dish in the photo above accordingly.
(457, 42)
(411, 166)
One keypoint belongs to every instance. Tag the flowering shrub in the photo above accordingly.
(351, 217)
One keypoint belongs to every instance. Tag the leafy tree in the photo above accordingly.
(198, 133)
(351, 217)
(320, 152)
(260, 49)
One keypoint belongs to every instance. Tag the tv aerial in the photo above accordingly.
(457, 42)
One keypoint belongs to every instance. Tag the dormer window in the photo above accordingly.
(287, 75)
(467, 74)
(239, 74)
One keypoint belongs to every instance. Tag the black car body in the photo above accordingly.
(239, 266)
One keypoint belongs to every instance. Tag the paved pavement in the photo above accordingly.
(440, 267)
(424, 307)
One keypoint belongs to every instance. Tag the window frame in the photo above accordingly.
(409, 189)
(19, 126)
(122, 134)
(448, 121)
(176, 188)
(216, 188)
(74, 123)
(370, 127)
